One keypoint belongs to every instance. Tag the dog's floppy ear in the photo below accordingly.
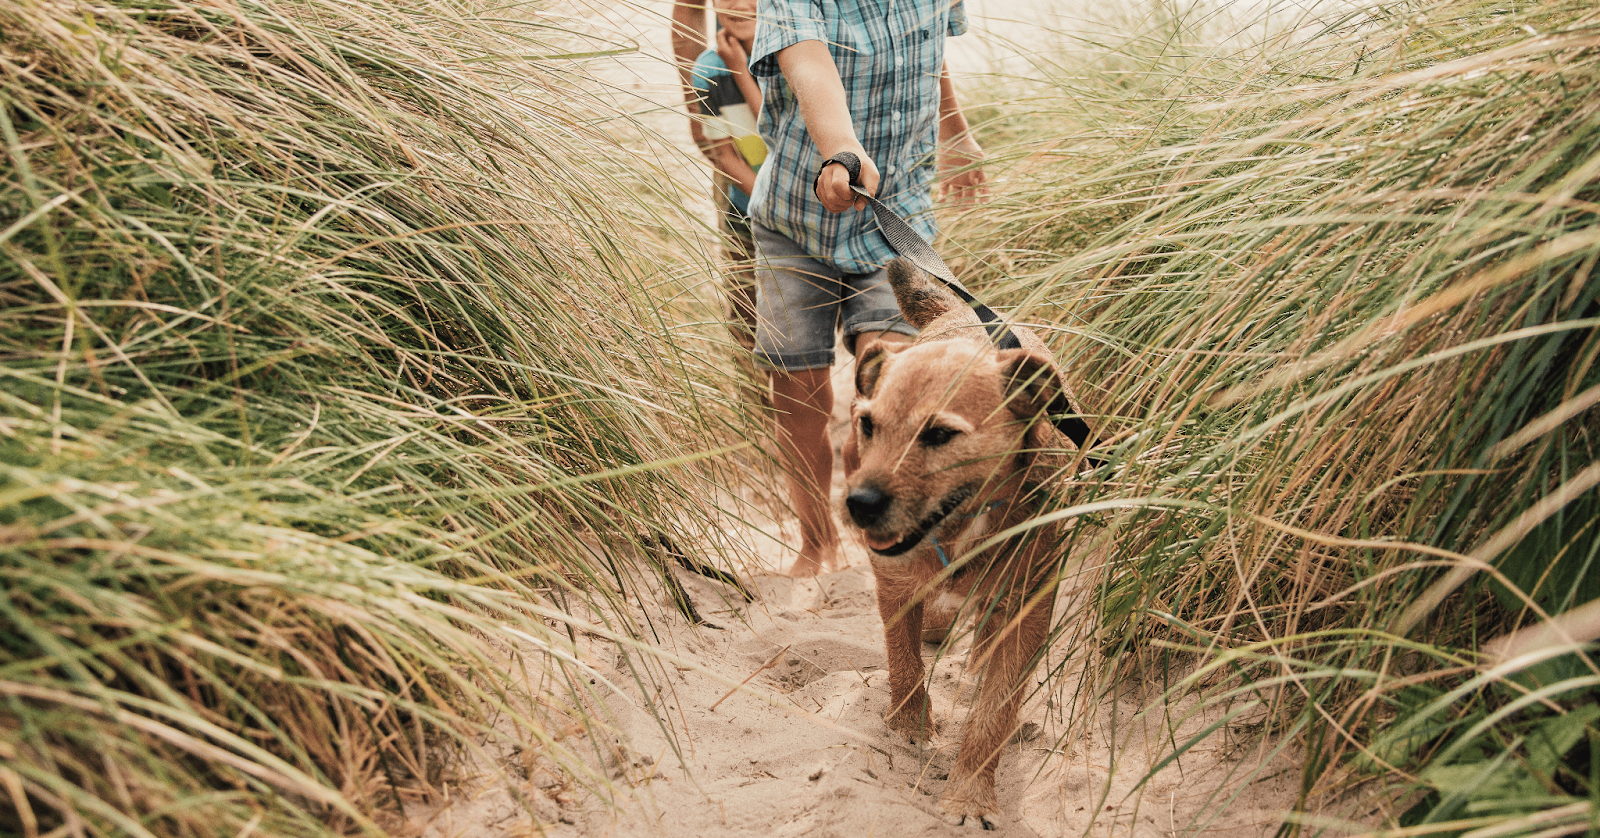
(1031, 384)
(921, 299)
(869, 365)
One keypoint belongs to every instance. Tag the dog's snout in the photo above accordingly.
(867, 505)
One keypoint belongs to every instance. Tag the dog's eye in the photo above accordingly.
(935, 436)
(866, 426)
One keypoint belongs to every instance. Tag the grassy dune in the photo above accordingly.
(299, 462)
(1332, 293)
(296, 449)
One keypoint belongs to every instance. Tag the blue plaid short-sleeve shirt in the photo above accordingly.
(889, 54)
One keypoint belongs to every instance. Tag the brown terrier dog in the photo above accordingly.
(946, 450)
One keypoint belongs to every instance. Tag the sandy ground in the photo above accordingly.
(801, 748)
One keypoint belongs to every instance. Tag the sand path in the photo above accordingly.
(801, 748)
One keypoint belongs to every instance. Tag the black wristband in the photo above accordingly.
(848, 160)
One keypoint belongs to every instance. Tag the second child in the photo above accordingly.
(726, 102)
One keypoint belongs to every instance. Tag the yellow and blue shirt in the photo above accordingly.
(726, 115)
(890, 54)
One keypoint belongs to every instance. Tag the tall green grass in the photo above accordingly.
(329, 331)
(1331, 292)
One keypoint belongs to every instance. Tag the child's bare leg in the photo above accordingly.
(804, 403)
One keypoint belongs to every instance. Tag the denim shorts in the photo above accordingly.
(800, 301)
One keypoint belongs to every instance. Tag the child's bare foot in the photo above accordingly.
(814, 560)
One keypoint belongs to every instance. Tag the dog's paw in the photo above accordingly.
(965, 810)
(917, 724)
(913, 716)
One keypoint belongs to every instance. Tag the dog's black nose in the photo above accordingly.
(867, 505)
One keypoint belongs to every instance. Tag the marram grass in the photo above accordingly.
(298, 449)
(328, 330)
(1331, 297)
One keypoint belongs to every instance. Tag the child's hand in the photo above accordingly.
(833, 185)
(961, 177)
(732, 52)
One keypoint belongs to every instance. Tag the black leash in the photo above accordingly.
(909, 244)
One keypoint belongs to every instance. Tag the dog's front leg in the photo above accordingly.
(1006, 648)
(902, 639)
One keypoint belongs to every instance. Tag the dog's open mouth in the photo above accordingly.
(890, 547)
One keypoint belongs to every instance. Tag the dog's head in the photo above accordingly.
(942, 429)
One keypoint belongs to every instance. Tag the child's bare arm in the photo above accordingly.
(688, 39)
(733, 54)
(725, 156)
(810, 72)
(959, 153)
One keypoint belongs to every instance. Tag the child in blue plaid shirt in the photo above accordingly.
(842, 75)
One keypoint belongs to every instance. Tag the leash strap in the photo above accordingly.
(909, 244)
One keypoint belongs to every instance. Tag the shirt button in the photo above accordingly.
(896, 116)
